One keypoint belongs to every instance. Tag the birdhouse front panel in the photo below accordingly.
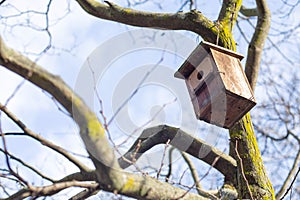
(206, 100)
(217, 85)
(201, 74)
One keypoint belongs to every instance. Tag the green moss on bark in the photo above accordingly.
(252, 166)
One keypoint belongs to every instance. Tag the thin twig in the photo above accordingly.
(147, 74)
(162, 159)
(167, 179)
(42, 140)
(211, 167)
(242, 169)
(28, 166)
(14, 92)
(292, 171)
(35, 192)
(196, 178)
(290, 187)
(2, 2)
(6, 154)
(193, 170)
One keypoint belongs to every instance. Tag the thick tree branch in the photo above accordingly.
(137, 186)
(193, 21)
(79, 176)
(248, 12)
(141, 187)
(91, 130)
(257, 42)
(145, 187)
(184, 142)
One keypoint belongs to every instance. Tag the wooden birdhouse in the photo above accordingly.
(218, 87)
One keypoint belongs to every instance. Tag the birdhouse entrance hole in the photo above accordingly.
(200, 75)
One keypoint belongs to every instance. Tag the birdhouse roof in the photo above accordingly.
(199, 53)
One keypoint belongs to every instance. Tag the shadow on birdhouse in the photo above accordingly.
(217, 85)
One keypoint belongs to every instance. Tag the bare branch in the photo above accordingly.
(170, 164)
(43, 141)
(28, 166)
(4, 189)
(85, 194)
(290, 187)
(196, 178)
(248, 12)
(288, 182)
(257, 42)
(49, 190)
(80, 176)
(242, 169)
(193, 20)
(162, 159)
(141, 187)
(161, 134)
(1, 2)
(91, 130)
(6, 154)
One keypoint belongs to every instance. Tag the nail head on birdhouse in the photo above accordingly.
(217, 84)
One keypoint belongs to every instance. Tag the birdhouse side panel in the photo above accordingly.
(232, 74)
